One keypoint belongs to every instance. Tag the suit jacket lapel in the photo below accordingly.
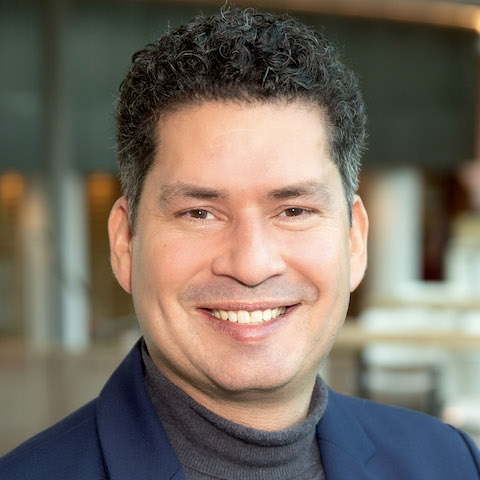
(345, 448)
(135, 445)
(133, 441)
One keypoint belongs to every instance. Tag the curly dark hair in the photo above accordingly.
(243, 56)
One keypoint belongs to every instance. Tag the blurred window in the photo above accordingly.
(12, 190)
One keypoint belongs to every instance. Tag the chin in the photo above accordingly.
(264, 380)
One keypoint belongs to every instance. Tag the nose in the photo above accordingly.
(250, 254)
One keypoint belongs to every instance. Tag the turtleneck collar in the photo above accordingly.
(209, 446)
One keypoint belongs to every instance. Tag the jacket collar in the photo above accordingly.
(133, 441)
(345, 447)
(135, 445)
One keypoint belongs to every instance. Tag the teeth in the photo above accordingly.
(256, 317)
(243, 317)
(253, 318)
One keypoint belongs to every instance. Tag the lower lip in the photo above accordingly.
(242, 332)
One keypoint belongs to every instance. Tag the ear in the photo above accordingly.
(358, 243)
(120, 236)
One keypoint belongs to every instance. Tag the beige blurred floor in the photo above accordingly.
(36, 390)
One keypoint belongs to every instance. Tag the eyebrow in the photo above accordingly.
(186, 190)
(302, 189)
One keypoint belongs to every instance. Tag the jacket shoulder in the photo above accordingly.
(69, 449)
(401, 433)
(386, 418)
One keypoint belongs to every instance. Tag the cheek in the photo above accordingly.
(320, 255)
(164, 264)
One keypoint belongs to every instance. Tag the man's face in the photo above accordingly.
(243, 258)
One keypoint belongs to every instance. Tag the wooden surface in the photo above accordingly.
(353, 336)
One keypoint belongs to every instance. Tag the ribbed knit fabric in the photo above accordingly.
(212, 447)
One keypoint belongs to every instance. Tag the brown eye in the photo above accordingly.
(294, 212)
(199, 214)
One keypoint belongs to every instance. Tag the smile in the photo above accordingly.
(252, 318)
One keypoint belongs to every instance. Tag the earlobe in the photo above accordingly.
(358, 243)
(120, 237)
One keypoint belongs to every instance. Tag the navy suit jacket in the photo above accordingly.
(118, 436)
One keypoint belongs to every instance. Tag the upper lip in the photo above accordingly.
(249, 306)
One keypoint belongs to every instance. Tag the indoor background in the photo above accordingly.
(412, 337)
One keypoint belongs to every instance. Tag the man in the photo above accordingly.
(240, 238)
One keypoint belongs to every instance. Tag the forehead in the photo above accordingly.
(238, 145)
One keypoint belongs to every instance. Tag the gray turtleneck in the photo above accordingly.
(211, 447)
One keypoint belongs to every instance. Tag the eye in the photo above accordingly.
(295, 212)
(199, 214)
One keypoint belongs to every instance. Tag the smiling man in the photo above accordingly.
(243, 256)
(240, 238)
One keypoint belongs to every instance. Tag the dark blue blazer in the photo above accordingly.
(119, 437)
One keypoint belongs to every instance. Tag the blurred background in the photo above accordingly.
(412, 337)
